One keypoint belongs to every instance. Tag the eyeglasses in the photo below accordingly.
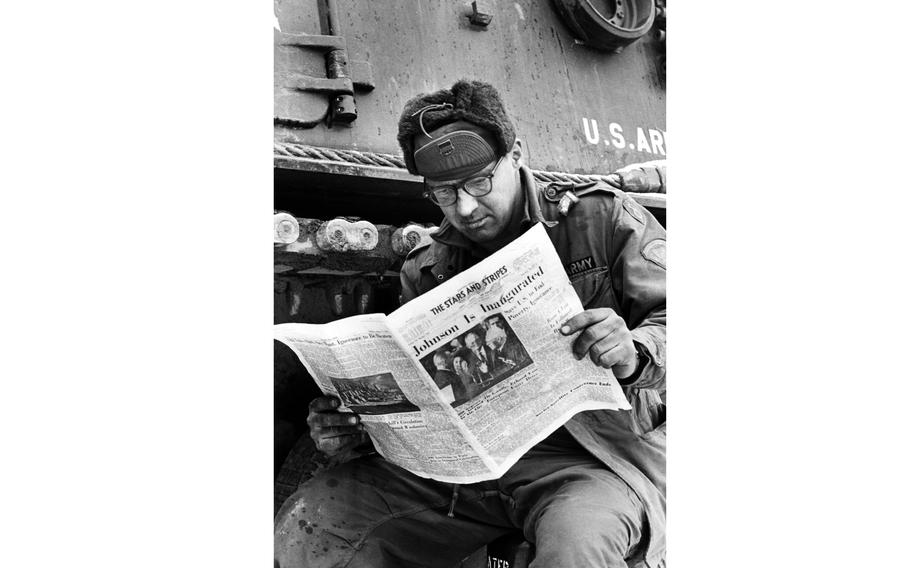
(445, 195)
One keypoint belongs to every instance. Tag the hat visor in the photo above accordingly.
(454, 155)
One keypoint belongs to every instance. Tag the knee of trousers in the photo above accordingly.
(598, 536)
(328, 519)
(314, 527)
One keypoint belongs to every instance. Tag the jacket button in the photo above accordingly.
(440, 277)
(550, 192)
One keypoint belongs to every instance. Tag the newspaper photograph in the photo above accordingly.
(461, 381)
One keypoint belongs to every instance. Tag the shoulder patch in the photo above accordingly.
(656, 252)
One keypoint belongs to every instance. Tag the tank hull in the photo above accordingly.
(577, 110)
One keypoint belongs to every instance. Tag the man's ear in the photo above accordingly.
(516, 154)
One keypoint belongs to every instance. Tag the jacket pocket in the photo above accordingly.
(648, 410)
(594, 287)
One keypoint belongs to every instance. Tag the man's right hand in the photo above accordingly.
(334, 432)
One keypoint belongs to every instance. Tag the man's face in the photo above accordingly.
(473, 342)
(497, 323)
(495, 340)
(485, 218)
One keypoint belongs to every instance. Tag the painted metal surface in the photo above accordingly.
(578, 110)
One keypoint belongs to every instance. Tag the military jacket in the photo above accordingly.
(614, 253)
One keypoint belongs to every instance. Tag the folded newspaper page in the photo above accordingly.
(459, 383)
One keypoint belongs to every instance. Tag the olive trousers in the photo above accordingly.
(371, 513)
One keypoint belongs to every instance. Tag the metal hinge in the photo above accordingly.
(341, 79)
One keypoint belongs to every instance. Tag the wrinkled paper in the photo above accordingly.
(460, 382)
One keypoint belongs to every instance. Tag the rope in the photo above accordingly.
(561, 177)
(334, 155)
(392, 161)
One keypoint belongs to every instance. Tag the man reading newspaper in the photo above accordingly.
(590, 494)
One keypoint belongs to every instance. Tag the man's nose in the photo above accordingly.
(466, 203)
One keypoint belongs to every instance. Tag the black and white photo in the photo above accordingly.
(372, 394)
(473, 362)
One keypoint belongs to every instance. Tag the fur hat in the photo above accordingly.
(470, 101)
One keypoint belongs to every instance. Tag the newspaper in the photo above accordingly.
(460, 382)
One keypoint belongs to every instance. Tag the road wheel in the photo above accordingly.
(608, 25)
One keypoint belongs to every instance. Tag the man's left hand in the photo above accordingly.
(605, 338)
